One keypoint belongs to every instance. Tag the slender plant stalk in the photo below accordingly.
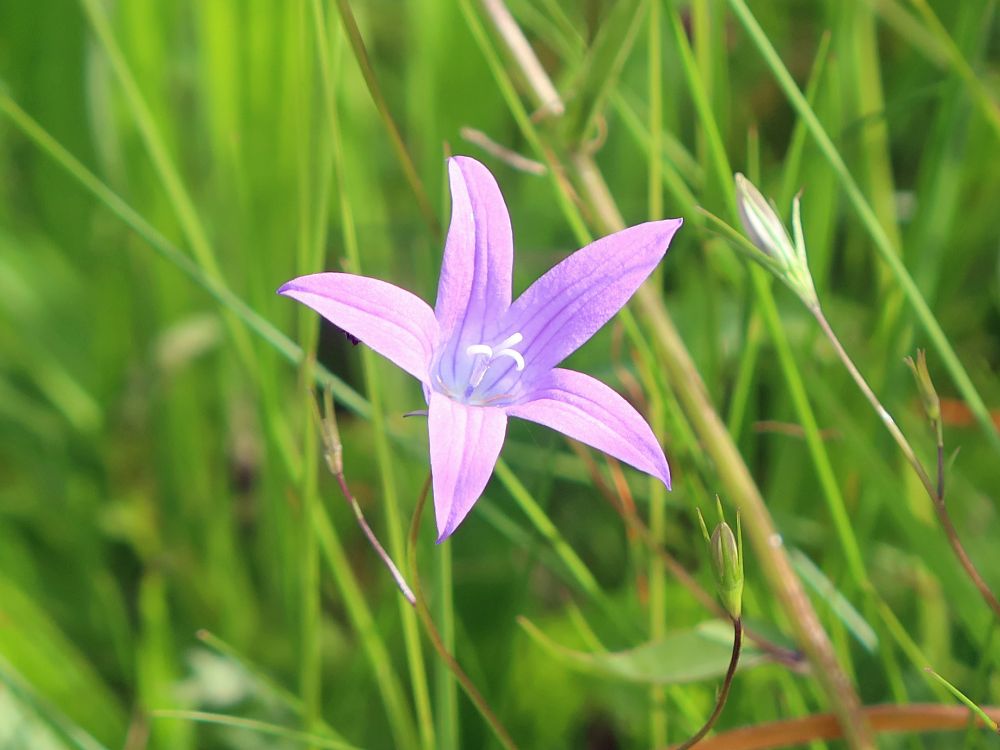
(686, 380)
(435, 637)
(934, 490)
(398, 145)
(883, 244)
(373, 381)
(333, 452)
(257, 727)
(727, 683)
(313, 220)
(658, 718)
(987, 104)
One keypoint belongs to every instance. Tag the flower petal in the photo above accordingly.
(567, 305)
(465, 443)
(475, 284)
(587, 410)
(395, 323)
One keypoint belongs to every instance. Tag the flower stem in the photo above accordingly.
(420, 603)
(727, 683)
(935, 491)
(333, 451)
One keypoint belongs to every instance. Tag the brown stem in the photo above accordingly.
(934, 491)
(724, 692)
(917, 717)
(435, 637)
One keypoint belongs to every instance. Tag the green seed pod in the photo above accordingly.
(783, 256)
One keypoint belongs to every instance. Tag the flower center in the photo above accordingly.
(484, 356)
(481, 374)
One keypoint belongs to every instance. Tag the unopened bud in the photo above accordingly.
(928, 395)
(781, 255)
(727, 560)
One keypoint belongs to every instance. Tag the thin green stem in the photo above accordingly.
(934, 492)
(814, 441)
(257, 727)
(221, 293)
(883, 245)
(577, 569)
(658, 725)
(980, 93)
(373, 385)
(435, 637)
(395, 138)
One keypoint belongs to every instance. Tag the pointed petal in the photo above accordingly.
(567, 305)
(465, 443)
(475, 283)
(395, 323)
(587, 410)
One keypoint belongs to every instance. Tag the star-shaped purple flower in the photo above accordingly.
(482, 358)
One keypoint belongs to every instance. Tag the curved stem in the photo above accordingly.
(724, 691)
(934, 491)
(420, 603)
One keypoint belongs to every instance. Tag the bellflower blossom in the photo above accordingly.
(482, 358)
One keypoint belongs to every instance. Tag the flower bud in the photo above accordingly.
(928, 395)
(781, 255)
(727, 559)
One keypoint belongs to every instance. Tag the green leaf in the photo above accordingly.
(700, 653)
(600, 68)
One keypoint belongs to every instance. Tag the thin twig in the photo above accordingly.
(935, 491)
(333, 453)
(720, 702)
(504, 154)
(424, 614)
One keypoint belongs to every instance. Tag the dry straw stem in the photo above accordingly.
(736, 479)
(917, 717)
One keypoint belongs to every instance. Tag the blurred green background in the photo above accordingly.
(161, 480)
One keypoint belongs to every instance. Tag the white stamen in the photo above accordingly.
(479, 349)
(502, 350)
(512, 340)
(516, 356)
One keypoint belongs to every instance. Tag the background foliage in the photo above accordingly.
(160, 474)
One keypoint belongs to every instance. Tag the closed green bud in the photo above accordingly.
(727, 559)
(928, 395)
(782, 255)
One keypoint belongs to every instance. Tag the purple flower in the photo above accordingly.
(482, 358)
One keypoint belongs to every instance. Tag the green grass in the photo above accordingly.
(165, 166)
